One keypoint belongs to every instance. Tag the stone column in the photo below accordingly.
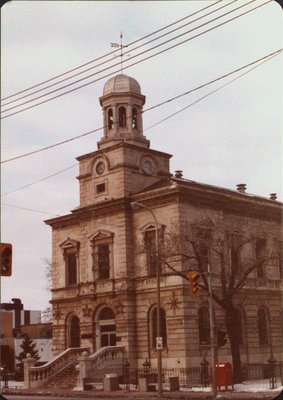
(28, 363)
(85, 369)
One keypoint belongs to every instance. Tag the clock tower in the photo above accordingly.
(124, 164)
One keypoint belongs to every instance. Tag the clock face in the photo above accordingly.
(100, 168)
(147, 165)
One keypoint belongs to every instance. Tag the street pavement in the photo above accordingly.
(28, 394)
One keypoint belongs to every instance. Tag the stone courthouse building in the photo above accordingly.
(103, 251)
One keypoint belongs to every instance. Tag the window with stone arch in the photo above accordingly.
(102, 254)
(73, 331)
(152, 325)
(122, 117)
(239, 317)
(110, 120)
(263, 326)
(134, 118)
(204, 325)
(70, 249)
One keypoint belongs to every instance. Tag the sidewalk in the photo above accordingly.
(124, 394)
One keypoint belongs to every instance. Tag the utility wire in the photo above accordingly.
(264, 59)
(38, 181)
(267, 57)
(118, 63)
(118, 56)
(112, 52)
(29, 209)
(212, 92)
(137, 62)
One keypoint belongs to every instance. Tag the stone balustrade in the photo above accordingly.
(38, 376)
(105, 354)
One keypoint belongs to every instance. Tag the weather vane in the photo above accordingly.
(120, 46)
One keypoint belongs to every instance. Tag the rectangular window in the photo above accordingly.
(259, 255)
(103, 261)
(150, 245)
(71, 268)
(203, 239)
(100, 188)
(203, 252)
(204, 326)
(280, 258)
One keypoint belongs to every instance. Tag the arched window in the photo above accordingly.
(153, 327)
(239, 323)
(134, 118)
(262, 321)
(107, 327)
(122, 117)
(110, 119)
(204, 325)
(74, 331)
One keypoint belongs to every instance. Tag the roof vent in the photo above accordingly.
(178, 174)
(273, 196)
(241, 187)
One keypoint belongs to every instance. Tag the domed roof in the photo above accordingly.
(121, 84)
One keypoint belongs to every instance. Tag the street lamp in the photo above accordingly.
(135, 205)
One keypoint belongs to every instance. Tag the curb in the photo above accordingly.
(145, 395)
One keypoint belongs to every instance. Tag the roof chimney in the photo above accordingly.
(178, 174)
(273, 196)
(241, 187)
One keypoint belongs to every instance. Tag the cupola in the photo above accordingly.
(122, 104)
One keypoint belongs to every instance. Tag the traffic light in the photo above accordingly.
(221, 338)
(6, 259)
(193, 282)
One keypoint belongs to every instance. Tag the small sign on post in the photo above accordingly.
(159, 343)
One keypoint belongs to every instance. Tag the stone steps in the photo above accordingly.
(66, 379)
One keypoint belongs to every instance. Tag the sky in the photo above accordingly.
(231, 136)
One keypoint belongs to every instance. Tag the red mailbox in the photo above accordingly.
(224, 374)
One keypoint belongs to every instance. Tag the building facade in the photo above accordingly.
(15, 324)
(104, 252)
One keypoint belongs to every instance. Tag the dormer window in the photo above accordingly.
(122, 117)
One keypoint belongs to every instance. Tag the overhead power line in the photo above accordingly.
(39, 180)
(111, 53)
(266, 57)
(29, 209)
(213, 91)
(137, 62)
(118, 63)
(263, 60)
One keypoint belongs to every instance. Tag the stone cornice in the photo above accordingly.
(192, 193)
(202, 195)
(107, 207)
(125, 145)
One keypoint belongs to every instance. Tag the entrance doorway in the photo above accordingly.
(107, 327)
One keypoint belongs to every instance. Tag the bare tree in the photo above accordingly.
(46, 315)
(233, 257)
